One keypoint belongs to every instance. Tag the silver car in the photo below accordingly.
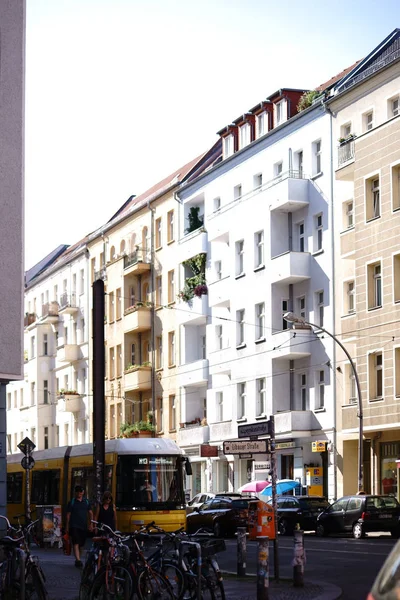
(197, 501)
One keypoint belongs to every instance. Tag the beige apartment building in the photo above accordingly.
(366, 120)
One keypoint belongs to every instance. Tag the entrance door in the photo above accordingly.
(287, 461)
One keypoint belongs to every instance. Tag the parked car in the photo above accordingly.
(360, 515)
(302, 510)
(387, 583)
(222, 515)
(197, 501)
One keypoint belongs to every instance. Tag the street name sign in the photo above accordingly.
(254, 429)
(246, 446)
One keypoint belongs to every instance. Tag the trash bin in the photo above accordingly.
(261, 520)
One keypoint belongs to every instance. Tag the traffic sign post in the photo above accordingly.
(27, 447)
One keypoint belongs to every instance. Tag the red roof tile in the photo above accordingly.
(333, 80)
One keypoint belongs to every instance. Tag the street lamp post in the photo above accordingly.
(292, 318)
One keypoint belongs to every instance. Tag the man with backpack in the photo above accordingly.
(79, 517)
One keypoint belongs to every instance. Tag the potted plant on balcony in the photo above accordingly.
(196, 284)
(65, 392)
(195, 221)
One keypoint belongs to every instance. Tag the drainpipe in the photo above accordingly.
(152, 315)
(290, 232)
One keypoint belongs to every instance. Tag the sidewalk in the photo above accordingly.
(63, 578)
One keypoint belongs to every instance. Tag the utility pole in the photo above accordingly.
(274, 503)
(98, 388)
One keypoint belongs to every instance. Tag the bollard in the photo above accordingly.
(299, 558)
(263, 569)
(241, 551)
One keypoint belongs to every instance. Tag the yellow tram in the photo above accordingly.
(145, 476)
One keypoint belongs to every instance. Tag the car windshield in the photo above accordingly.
(240, 503)
(313, 503)
(382, 502)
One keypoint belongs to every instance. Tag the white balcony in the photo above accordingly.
(295, 422)
(291, 267)
(193, 312)
(70, 403)
(138, 378)
(224, 430)
(292, 344)
(68, 304)
(288, 195)
(50, 312)
(193, 435)
(193, 373)
(192, 244)
(68, 353)
(219, 292)
(138, 319)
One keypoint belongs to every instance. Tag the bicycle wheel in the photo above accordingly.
(214, 581)
(35, 588)
(112, 584)
(175, 577)
(88, 575)
(153, 586)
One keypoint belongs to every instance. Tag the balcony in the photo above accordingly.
(219, 292)
(101, 274)
(136, 263)
(49, 312)
(193, 435)
(292, 344)
(346, 152)
(193, 312)
(295, 422)
(193, 373)
(138, 378)
(288, 195)
(68, 304)
(68, 353)
(137, 318)
(192, 244)
(291, 267)
(29, 319)
(70, 403)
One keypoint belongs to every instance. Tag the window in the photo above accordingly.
(240, 328)
(301, 304)
(228, 146)
(119, 304)
(112, 363)
(396, 187)
(203, 347)
(33, 346)
(260, 321)
(298, 163)
(375, 368)
(303, 392)
(278, 168)
(285, 309)
(374, 286)
(46, 438)
(301, 236)
(131, 295)
(244, 132)
(237, 192)
(257, 181)
(45, 344)
(280, 112)
(15, 399)
(261, 124)
(350, 304)
(33, 394)
(82, 281)
(82, 330)
(218, 337)
(133, 354)
(372, 198)
(159, 357)
(171, 232)
(393, 107)
(318, 233)
(396, 277)
(119, 360)
(320, 400)
(368, 121)
(349, 215)
(172, 413)
(45, 391)
(218, 269)
(261, 397)
(259, 249)
(397, 372)
(241, 400)
(240, 258)
(33, 434)
(204, 408)
(319, 308)
(159, 291)
(22, 396)
(345, 130)
(171, 348)
(350, 384)
(217, 203)
(111, 307)
(160, 416)
(158, 233)
(316, 158)
(171, 286)
(219, 397)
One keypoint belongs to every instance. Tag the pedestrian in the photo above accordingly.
(106, 512)
(79, 520)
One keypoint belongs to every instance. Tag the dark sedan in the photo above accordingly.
(360, 515)
(299, 510)
(221, 515)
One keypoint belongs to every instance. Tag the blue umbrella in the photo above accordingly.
(282, 486)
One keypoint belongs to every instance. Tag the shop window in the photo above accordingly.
(390, 451)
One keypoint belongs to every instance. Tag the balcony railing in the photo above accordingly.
(67, 300)
(29, 319)
(135, 257)
(346, 152)
(102, 274)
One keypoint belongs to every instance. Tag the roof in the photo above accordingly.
(328, 84)
(44, 264)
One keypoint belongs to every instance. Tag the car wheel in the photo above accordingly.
(358, 531)
(320, 530)
(217, 529)
(284, 527)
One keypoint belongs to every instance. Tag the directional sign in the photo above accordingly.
(254, 429)
(245, 446)
(26, 446)
(27, 462)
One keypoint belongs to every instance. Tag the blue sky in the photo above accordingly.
(119, 93)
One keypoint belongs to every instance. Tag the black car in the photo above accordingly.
(301, 510)
(222, 515)
(359, 515)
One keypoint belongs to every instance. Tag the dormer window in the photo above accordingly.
(244, 135)
(261, 124)
(281, 116)
(228, 146)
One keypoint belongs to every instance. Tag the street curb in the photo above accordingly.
(331, 591)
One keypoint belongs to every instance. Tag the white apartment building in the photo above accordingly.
(52, 404)
(267, 232)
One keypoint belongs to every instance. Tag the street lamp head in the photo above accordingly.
(290, 317)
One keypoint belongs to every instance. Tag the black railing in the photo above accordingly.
(135, 257)
(345, 152)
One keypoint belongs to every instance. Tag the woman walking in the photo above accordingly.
(106, 512)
